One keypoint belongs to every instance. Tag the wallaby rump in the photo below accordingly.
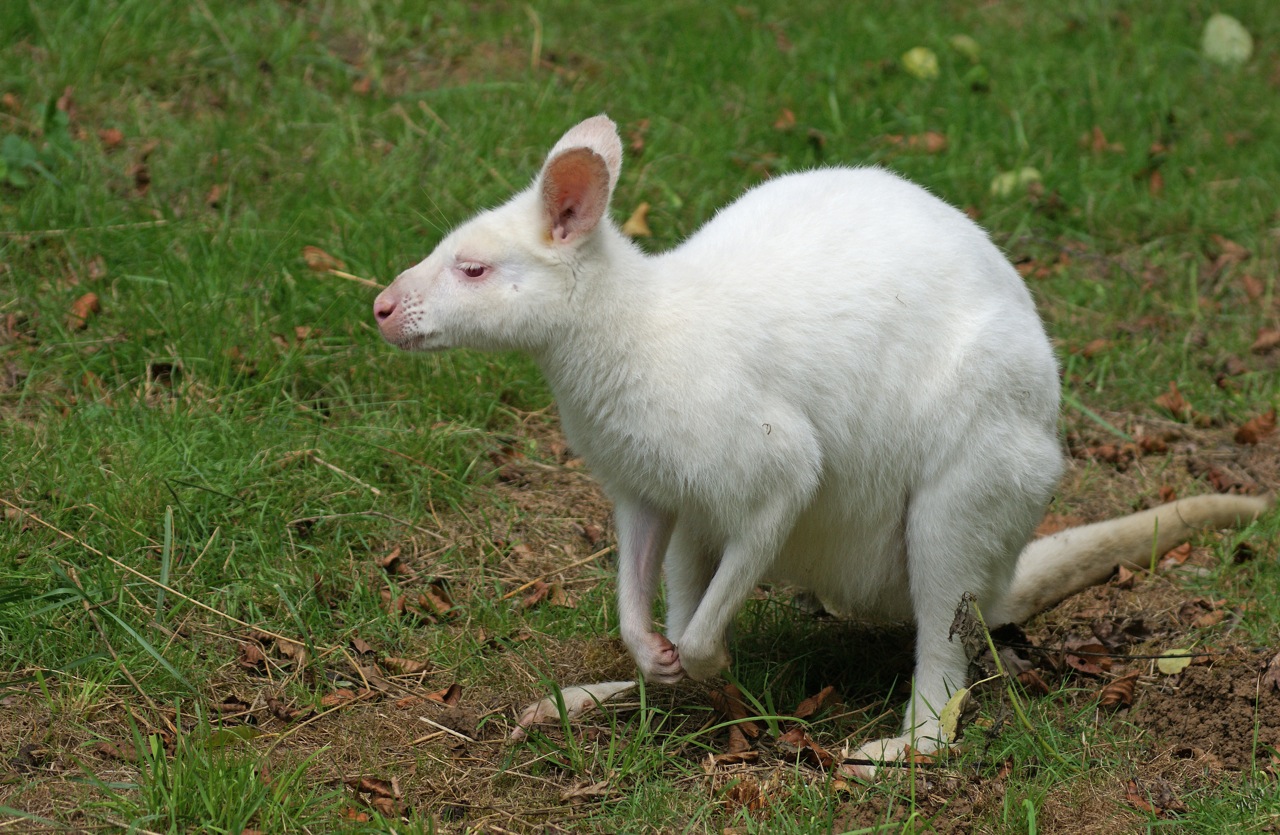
(838, 383)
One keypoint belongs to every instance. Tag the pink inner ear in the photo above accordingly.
(575, 193)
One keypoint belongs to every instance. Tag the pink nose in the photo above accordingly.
(383, 307)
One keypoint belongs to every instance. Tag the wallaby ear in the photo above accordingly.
(578, 178)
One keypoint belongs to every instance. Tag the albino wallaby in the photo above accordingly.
(838, 383)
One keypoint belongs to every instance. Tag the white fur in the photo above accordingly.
(838, 383)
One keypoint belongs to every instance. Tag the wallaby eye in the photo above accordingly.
(472, 270)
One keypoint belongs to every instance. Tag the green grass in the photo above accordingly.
(187, 431)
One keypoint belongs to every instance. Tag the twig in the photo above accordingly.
(438, 726)
(374, 490)
(349, 277)
(542, 577)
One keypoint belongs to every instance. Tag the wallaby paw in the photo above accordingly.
(659, 660)
(865, 762)
(702, 663)
(578, 700)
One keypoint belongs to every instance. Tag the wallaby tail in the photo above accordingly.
(1058, 566)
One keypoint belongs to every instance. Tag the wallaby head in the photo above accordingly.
(506, 279)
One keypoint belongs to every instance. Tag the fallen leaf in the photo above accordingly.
(929, 142)
(1226, 41)
(450, 695)
(213, 199)
(374, 786)
(1008, 183)
(391, 562)
(320, 261)
(1097, 142)
(251, 656)
(1271, 674)
(1253, 286)
(637, 136)
(921, 62)
(797, 744)
(141, 178)
(637, 226)
(537, 593)
(1176, 556)
(353, 814)
(1124, 578)
(1118, 693)
(585, 792)
(786, 120)
(966, 46)
(110, 138)
(1173, 401)
(1091, 658)
(1054, 522)
(338, 697)
(81, 310)
(404, 666)
(122, 751)
(1174, 661)
(1257, 428)
(728, 702)
(361, 646)
(811, 705)
(1268, 339)
(956, 713)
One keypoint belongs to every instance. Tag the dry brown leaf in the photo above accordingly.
(391, 562)
(1173, 401)
(10, 102)
(1033, 683)
(1271, 675)
(537, 593)
(811, 705)
(404, 666)
(117, 751)
(303, 332)
(738, 742)
(1088, 657)
(1118, 693)
(929, 142)
(214, 198)
(1054, 522)
(81, 310)
(1155, 183)
(435, 600)
(727, 701)
(361, 646)
(584, 792)
(1257, 428)
(786, 120)
(1268, 338)
(450, 695)
(1253, 286)
(110, 138)
(251, 656)
(353, 814)
(1176, 556)
(338, 697)
(1097, 142)
(636, 136)
(1124, 578)
(374, 786)
(637, 226)
(320, 261)
(797, 744)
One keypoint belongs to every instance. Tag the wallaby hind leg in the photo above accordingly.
(688, 567)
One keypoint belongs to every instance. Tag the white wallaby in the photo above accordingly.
(838, 383)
